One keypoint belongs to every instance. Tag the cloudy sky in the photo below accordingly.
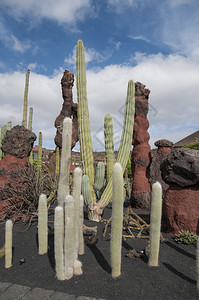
(152, 41)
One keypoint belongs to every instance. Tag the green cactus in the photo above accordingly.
(43, 225)
(25, 105)
(9, 126)
(99, 178)
(155, 224)
(126, 141)
(117, 220)
(39, 158)
(83, 118)
(86, 192)
(8, 244)
(63, 185)
(30, 119)
(109, 149)
(3, 133)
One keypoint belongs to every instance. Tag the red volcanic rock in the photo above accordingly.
(69, 109)
(165, 150)
(181, 208)
(164, 146)
(140, 159)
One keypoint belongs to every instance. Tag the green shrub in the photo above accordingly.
(186, 237)
(194, 146)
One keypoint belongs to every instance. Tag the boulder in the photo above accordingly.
(18, 142)
(181, 166)
(164, 146)
(181, 209)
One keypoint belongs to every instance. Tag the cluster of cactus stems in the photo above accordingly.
(68, 214)
(95, 208)
(117, 220)
(155, 224)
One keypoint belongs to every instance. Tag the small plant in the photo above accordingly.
(194, 146)
(186, 237)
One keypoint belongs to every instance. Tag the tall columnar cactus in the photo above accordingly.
(83, 117)
(25, 105)
(30, 119)
(109, 149)
(197, 264)
(8, 244)
(117, 220)
(63, 185)
(86, 191)
(126, 141)
(39, 158)
(155, 224)
(43, 225)
(80, 231)
(99, 178)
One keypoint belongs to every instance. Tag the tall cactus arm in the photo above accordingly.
(25, 105)
(126, 141)
(109, 149)
(83, 118)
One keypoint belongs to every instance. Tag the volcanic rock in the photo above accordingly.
(69, 109)
(18, 142)
(140, 158)
(181, 166)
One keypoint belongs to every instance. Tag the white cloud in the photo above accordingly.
(62, 11)
(173, 81)
(139, 37)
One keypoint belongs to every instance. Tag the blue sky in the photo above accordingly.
(152, 41)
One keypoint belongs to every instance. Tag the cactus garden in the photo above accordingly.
(80, 230)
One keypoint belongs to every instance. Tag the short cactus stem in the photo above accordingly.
(86, 192)
(99, 178)
(8, 244)
(155, 224)
(59, 243)
(43, 225)
(117, 220)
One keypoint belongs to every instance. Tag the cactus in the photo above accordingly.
(109, 149)
(63, 185)
(43, 225)
(24, 121)
(80, 231)
(117, 220)
(197, 264)
(155, 223)
(39, 158)
(99, 178)
(126, 141)
(9, 126)
(83, 118)
(8, 244)
(59, 242)
(86, 192)
(30, 119)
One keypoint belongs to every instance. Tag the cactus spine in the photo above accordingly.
(24, 121)
(83, 118)
(86, 191)
(8, 244)
(43, 224)
(109, 149)
(117, 220)
(155, 224)
(126, 140)
(63, 185)
(30, 119)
